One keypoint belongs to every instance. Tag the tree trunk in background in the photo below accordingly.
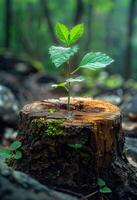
(8, 22)
(108, 35)
(44, 5)
(88, 26)
(129, 50)
(79, 11)
(110, 43)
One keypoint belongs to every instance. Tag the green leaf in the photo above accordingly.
(62, 33)
(95, 60)
(5, 153)
(101, 182)
(62, 84)
(105, 189)
(60, 55)
(76, 32)
(17, 155)
(15, 145)
(77, 79)
(75, 146)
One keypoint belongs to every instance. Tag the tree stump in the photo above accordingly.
(70, 153)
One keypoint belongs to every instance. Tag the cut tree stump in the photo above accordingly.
(70, 152)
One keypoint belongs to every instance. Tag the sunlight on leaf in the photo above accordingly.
(62, 84)
(76, 32)
(95, 60)
(60, 55)
(77, 79)
(62, 33)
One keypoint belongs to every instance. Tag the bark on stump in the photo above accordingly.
(72, 152)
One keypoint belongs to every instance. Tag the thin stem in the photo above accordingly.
(69, 86)
(66, 88)
(75, 70)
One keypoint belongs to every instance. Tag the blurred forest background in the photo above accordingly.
(27, 30)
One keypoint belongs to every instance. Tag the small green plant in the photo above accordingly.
(75, 146)
(103, 188)
(12, 151)
(61, 54)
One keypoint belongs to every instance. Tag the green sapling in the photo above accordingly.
(61, 55)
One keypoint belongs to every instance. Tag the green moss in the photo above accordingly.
(52, 110)
(55, 128)
(50, 127)
(39, 123)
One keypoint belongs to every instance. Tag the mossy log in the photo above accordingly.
(69, 151)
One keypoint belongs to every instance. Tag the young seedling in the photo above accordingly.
(103, 188)
(62, 54)
(12, 151)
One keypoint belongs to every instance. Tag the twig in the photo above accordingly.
(89, 195)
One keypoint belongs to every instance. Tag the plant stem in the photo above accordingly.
(75, 70)
(69, 86)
